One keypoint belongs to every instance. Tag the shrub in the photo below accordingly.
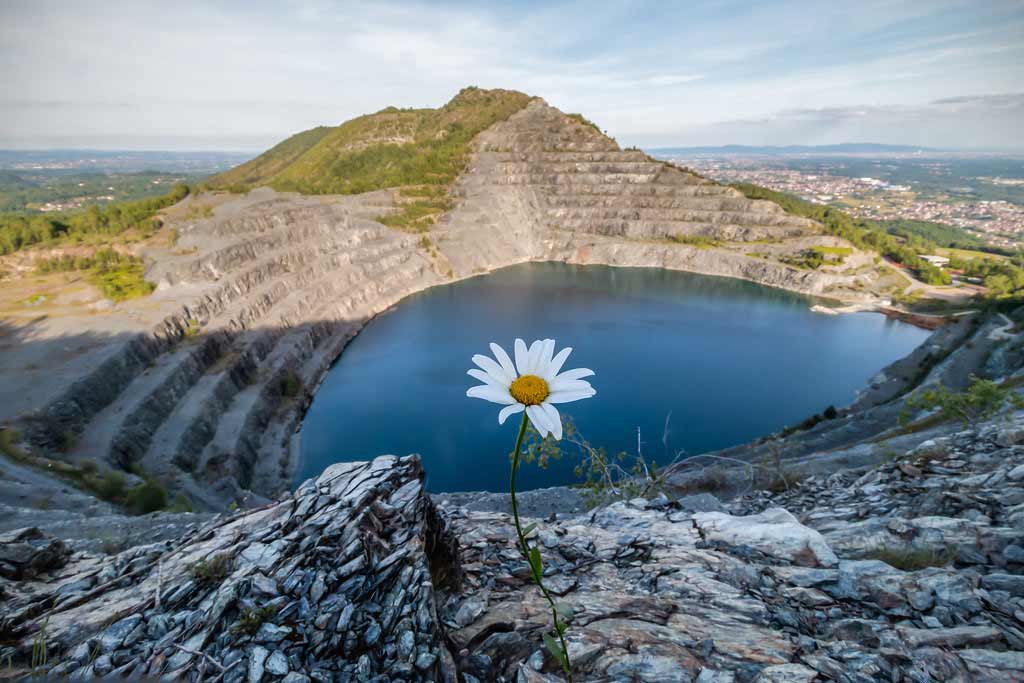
(119, 276)
(192, 327)
(251, 619)
(604, 477)
(808, 259)
(181, 504)
(981, 400)
(582, 120)
(146, 497)
(66, 440)
(291, 385)
(123, 282)
(111, 486)
(8, 444)
(213, 570)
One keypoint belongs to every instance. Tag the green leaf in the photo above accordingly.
(529, 527)
(564, 610)
(536, 564)
(555, 648)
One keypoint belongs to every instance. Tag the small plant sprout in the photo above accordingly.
(532, 387)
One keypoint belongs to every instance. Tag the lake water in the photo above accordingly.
(723, 361)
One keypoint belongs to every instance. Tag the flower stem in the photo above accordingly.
(524, 548)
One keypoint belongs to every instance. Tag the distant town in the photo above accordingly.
(974, 204)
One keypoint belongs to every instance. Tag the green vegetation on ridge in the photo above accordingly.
(271, 162)
(414, 149)
(864, 234)
(1004, 279)
(30, 190)
(939, 233)
(20, 230)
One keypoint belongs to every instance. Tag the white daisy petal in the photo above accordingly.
(575, 373)
(547, 419)
(493, 369)
(521, 356)
(533, 357)
(556, 363)
(570, 385)
(554, 419)
(539, 420)
(510, 410)
(504, 360)
(568, 396)
(543, 368)
(486, 378)
(489, 393)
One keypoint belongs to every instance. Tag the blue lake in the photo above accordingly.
(724, 361)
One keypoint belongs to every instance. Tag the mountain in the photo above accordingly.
(390, 148)
(854, 148)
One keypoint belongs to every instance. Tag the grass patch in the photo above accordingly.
(699, 241)
(912, 559)
(582, 120)
(432, 191)
(192, 328)
(118, 276)
(969, 254)
(194, 212)
(122, 283)
(416, 216)
(833, 251)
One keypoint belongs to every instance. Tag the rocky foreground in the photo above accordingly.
(909, 571)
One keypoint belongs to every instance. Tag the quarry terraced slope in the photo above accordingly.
(265, 293)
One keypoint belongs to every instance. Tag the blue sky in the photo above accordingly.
(243, 75)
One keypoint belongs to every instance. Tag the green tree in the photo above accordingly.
(981, 400)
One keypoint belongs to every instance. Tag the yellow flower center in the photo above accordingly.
(530, 390)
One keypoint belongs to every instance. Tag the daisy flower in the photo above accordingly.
(533, 384)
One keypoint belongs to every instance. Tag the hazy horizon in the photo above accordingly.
(243, 76)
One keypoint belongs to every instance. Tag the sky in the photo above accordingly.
(135, 74)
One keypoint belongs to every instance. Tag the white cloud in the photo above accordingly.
(650, 73)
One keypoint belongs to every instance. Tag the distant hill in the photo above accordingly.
(844, 148)
(391, 148)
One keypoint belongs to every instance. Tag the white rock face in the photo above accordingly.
(774, 532)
